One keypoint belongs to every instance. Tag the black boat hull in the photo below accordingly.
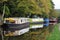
(13, 27)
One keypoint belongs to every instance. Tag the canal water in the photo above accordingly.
(36, 34)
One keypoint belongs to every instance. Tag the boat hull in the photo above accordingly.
(13, 27)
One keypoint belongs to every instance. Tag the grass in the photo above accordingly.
(55, 35)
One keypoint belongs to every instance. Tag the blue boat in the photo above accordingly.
(46, 21)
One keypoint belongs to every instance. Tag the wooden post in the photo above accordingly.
(1, 33)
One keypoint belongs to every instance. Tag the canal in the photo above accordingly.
(39, 34)
(45, 33)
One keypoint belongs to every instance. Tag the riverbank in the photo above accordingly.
(55, 35)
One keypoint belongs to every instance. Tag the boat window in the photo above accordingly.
(52, 21)
(7, 21)
(45, 22)
(12, 21)
(21, 20)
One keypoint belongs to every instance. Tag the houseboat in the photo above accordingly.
(36, 23)
(53, 21)
(46, 22)
(15, 26)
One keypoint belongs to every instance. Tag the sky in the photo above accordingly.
(57, 4)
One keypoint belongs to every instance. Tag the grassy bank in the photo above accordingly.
(55, 35)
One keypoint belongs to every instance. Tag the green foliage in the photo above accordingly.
(55, 35)
(7, 11)
(57, 12)
(29, 7)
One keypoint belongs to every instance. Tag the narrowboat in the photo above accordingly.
(36, 23)
(53, 21)
(15, 26)
(46, 22)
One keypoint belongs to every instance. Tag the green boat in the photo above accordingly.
(36, 23)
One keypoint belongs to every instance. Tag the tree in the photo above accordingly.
(23, 8)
